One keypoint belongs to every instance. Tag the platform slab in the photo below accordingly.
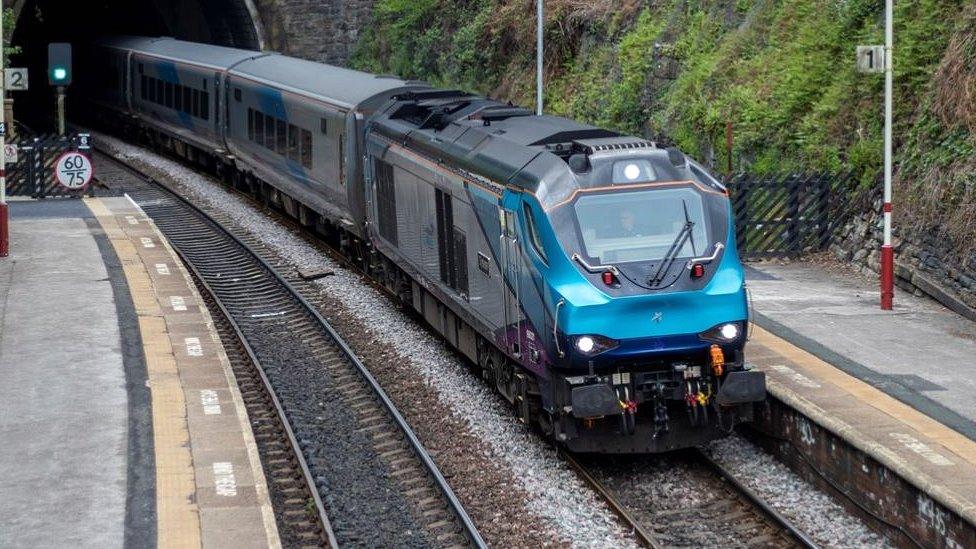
(208, 468)
(920, 353)
(815, 327)
(61, 376)
(96, 452)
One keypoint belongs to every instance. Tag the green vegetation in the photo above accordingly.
(781, 72)
(9, 23)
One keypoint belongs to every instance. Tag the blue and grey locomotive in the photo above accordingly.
(591, 277)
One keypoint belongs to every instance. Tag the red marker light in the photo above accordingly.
(697, 270)
(609, 279)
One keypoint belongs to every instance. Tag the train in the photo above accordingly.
(590, 277)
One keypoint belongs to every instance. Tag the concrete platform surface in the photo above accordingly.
(63, 415)
(120, 418)
(921, 353)
(892, 384)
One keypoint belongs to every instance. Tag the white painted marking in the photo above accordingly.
(147, 242)
(935, 516)
(193, 347)
(224, 479)
(806, 432)
(210, 402)
(162, 268)
(178, 303)
(797, 377)
(921, 449)
(265, 315)
(132, 220)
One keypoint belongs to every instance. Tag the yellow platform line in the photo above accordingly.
(178, 519)
(948, 438)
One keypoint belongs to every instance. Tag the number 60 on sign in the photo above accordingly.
(73, 170)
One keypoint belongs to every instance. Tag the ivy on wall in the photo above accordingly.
(780, 72)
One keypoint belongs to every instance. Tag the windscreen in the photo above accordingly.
(620, 227)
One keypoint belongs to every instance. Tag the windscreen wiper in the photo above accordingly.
(679, 242)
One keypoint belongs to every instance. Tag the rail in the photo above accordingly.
(470, 530)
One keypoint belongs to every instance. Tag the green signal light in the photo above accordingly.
(60, 73)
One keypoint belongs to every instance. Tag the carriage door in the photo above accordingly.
(218, 91)
(510, 257)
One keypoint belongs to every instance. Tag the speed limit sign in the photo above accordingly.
(73, 170)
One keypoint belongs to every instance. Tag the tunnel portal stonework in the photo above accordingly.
(320, 30)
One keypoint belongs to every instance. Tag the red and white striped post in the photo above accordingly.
(4, 211)
(887, 254)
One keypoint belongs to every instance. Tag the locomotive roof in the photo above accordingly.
(508, 144)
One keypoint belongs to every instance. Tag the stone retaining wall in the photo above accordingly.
(924, 264)
(319, 30)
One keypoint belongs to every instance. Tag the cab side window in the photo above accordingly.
(533, 228)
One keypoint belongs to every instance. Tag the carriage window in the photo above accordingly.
(307, 149)
(325, 125)
(282, 141)
(258, 128)
(534, 237)
(178, 97)
(187, 100)
(293, 148)
(250, 124)
(237, 95)
(159, 91)
(195, 105)
(169, 95)
(143, 84)
(269, 132)
(205, 105)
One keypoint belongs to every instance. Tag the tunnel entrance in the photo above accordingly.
(232, 23)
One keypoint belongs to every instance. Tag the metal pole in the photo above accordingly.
(61, 123)
(887, 254)
(4, 213)
(538, 57)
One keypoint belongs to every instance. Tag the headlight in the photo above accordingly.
(590, 345)
(585, 344)
(723, 333)
(729, 331)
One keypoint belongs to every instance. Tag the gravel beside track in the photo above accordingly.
(817, 513)
(375, 489)
(513, 484)
(295, 508)
(683, 503)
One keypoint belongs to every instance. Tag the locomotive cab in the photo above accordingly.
(649, 305)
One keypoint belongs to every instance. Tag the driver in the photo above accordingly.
(627, 226)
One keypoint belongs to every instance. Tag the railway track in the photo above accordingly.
(747, 520)
(359, 461)
(731, 514)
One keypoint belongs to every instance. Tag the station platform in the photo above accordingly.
(121, 421)
(897, 385)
